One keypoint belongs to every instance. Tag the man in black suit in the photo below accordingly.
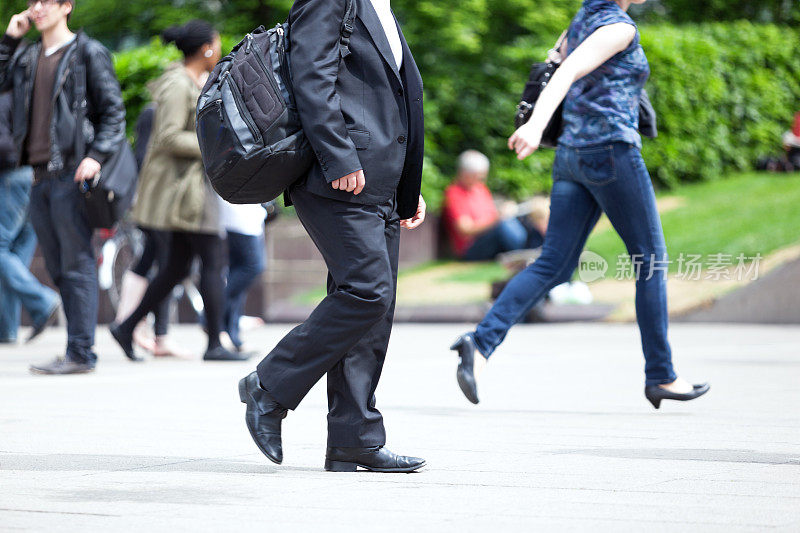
(361, 108)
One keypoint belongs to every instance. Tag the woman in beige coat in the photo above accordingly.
(174, 194)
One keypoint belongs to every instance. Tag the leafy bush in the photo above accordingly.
(137, 67)
(724, 92)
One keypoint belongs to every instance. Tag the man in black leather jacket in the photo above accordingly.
(43, 77)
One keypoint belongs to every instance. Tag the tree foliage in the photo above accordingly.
(723, 92)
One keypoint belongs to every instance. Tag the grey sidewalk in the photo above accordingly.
(563, 439)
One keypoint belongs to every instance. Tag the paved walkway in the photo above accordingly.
(563, 439)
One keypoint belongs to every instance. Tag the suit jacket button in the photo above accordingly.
(400, 91)
(401, 139)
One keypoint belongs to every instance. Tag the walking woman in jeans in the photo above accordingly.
(598, 169)
(174, 194)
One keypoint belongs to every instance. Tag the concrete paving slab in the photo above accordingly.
(563, 439)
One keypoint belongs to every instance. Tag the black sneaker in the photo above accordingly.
(39, 328)
(221, 354)
(62, 366)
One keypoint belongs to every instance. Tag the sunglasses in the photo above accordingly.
(45, 3)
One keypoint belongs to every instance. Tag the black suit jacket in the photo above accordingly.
(358, 112)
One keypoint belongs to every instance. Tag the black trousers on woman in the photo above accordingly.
(184, 248)
(154, 258)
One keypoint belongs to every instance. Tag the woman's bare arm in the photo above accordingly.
(598, 48)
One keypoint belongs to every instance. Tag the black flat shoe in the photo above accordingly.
(465, 374)
(38, 329)
(125, 342)
(263, 417)
(62, 367)
(374, 459)
(221, 354)
(655, 394)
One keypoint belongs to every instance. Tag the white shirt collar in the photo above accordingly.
(384, 10)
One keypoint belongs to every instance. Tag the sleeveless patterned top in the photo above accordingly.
(603, 106)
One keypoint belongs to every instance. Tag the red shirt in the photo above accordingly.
(475, 203)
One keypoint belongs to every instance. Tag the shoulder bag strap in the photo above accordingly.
(551, 54)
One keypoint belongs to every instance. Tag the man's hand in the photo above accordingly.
(418, 218)
(525, 140)
(20, 25)
(87, 170)
(353, 183)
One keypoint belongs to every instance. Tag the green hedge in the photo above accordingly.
(724, 92)
(137, 67)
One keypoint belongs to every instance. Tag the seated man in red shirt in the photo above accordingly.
(476, 230)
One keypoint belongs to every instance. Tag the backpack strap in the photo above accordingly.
(348, 26)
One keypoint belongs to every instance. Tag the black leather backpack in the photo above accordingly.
(251, 139)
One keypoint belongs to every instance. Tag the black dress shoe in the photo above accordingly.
(125, 342)
(374, 459)
(39, 328)
(465, 375)
(263, 417)
(61, 367)
(655, 394)
(221, 354)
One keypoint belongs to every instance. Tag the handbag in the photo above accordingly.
(110, 194)
(540, 76)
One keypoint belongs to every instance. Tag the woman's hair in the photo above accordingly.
(190, 37)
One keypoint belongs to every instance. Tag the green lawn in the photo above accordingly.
(748, 213)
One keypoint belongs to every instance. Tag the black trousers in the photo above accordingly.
(347, 335)
(183, 249)
(155, 254)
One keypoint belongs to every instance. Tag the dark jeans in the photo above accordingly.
(183, 249)
(612, 179)
(18, 287)
(506, 236)
(346, 336)
(59, 216)
(154, 258)
(246, 261)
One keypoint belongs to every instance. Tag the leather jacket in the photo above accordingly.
(104, 127)
(8, 152)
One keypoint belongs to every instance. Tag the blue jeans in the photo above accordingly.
(18, 287)
(613, 179)
(59, 217)
(246, 261)
(506, 236)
